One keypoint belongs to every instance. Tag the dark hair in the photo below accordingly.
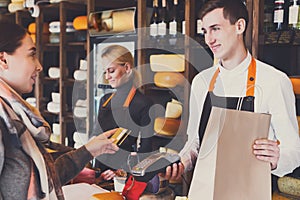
(232, 10)
(11, 36)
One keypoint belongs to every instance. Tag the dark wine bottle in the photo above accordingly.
(162, 25)
(278, 19)
(173, 23)
(154, 20)
(294, 15)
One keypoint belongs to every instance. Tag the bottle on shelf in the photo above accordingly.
(174, 23)
(182, 19)
(268, 21)
(294, 22)
(163, 21)
(199, 30)
(154, 20)
(279, 15)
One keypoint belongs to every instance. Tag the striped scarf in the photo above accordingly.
(37, 130)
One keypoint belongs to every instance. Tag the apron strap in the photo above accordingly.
(108, 100)
(250, 79)
(129, 97)
(127, 101)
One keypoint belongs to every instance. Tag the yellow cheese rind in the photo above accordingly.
(166, 126)
(168, 79)
(167, 63)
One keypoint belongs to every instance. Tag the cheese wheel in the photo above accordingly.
(107, 196)
(54, 27)
(13, 7)
(80, 137)
(54, 72)
(173, 110)
(80, 23)
(118, 19)
(80, 112)
(55, 97)
(296, 84)
(166, 126)
(56, 128)
(167, 63)
(168, 79)
(32, 28)
(80, 75)
(289, 185)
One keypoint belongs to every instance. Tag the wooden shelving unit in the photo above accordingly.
(65, 55)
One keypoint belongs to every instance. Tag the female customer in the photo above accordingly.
(27, 170)
(127, 108)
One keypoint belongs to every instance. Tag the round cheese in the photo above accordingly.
(32, 28)
(166, 126)
(13, 7)
(168, 79)
(80, 23)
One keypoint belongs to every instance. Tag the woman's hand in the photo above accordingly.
(107, 175)
(101, 144)
(173, 172)
(267, 150)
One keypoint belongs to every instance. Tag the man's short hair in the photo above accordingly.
(232, 9)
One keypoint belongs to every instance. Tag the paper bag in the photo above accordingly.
(226, 167)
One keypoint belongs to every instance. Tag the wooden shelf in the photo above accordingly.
(66, 55)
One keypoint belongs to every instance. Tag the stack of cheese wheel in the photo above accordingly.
(167, 68)
(169, 125)
(15, 5)
(32, 31)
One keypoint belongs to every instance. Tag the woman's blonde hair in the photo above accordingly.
(117, 53)
(120, 54)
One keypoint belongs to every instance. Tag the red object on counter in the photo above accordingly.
(133, 189)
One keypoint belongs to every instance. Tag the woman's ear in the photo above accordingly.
(127, 67)
(3, 63)
(240, 26)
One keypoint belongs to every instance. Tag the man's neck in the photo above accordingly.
(234, 60)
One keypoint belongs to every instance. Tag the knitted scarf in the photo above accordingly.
(37, 130)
